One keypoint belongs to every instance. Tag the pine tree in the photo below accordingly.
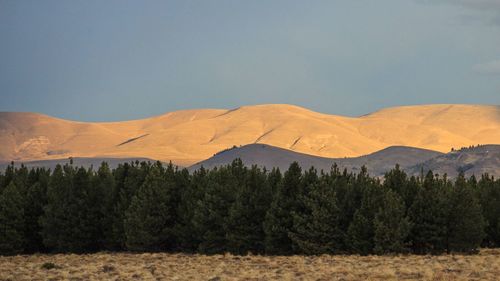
(182, 230)
(398, 181)
(489, 199)
(105, 195)
(391, 225)
(12, 239)
(212, 211)
(274, 179)
(2, 181)
(428, 217)
(209, 218)
(21, 179)
(71, 220)
(360, 234)
(129, 177)
(316, 229)
(188, 236)
(465, 221)
(309, 179)
(85, 211)
(279, 220)
(244, 229)
(7, 177)
(348, 197)
(55, 221)
(150, 219)
(36, 199)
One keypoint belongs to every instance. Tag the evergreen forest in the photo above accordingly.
(153, 207)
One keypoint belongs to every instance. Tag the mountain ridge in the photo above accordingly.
(189, 136)
(477, 160)
(268, 156)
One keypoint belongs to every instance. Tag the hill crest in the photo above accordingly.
(189, 136)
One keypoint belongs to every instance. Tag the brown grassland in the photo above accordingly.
(162, 266)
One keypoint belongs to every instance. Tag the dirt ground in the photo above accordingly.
(160, 266)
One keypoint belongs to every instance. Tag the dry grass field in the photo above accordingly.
(125, 266)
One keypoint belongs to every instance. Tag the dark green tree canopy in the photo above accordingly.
(144, 206)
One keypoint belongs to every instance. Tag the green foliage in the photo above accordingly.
(35, 200)
(55, 220)
(128, 179)
(244, 229)
(348, 197)
(187, 233)
(149, 220)
(407, 188)
(316, 228)
(210, 219)
(104, 198)
(279, 221)
(391, 225)
(142, 206)
(428, 216)
(465, 222)
(72, 220)
(7, 177)
(12, 238)
(488, 193)
(361, 231)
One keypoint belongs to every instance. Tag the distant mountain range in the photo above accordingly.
(475, 160)
(269, 156)
(190, 136)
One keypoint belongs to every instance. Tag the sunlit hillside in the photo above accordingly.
(186, 137)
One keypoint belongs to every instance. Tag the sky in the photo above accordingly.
(103, 60)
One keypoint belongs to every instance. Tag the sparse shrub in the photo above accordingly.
(108, 268)
(49, 266)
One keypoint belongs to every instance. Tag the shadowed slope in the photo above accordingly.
(269, 156)
(476, 160)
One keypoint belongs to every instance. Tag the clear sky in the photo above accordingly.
(116, 60)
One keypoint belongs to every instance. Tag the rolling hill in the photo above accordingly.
(269, 156)
(476, 160)
(189, 136)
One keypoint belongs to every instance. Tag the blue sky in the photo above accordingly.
(118, 60)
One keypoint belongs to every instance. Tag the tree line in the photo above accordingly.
(142, 206)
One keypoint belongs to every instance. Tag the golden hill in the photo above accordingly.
(188, 136)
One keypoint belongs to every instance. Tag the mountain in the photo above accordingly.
(269, 156)
(474, 160)
(189, 136)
